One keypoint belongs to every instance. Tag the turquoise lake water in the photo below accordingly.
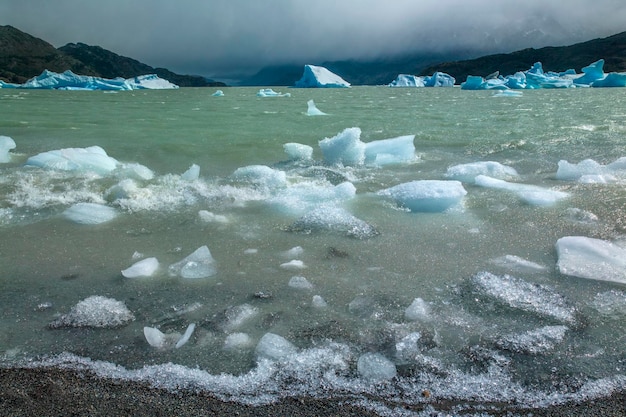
(458, 348)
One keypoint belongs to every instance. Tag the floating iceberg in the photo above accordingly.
(530, 194)
(426, 195)
(93, 159)
(312, 110)
(70, 81)
(468, 172)
(590, 258)
(95, 311)
(6, 144)
(268, 92)
(406, 80)
(592, 76)
(200, 264)
(438, 79)
(218, 93)
(320, 77)
(90, 213)
(346, 148)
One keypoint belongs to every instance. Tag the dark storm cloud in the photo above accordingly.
(213, 37)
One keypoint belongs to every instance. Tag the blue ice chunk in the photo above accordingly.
(298, 151)
(390, 151)
(320, 77)
(406, 80)
(344, 148)
(591, 73)
(612, 79)
(70, 81)
(218, 93)
(439, 79)
(90, 213)
(6, 144)
(92, 158)
(200, 264)
(426, 195)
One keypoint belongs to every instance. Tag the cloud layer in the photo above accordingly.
(214, 37)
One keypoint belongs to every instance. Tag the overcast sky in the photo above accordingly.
(219, 37)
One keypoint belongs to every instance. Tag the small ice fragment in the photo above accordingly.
(610, 303)
(467, 172)
(298, 151)
(237, 316)
(90, 213)
(218, 93)
(192, 174)
(274, 347)
(200, 264)
(516, 263)
(251, 251)
(530, 194)
(375, 367)
(237, 341)
(154, 336)
(210, 217)
(6, 144)
(293, 265)
(300, 283)
(319, 302)
(312, 110)
(96, 311)
(418, 310)
(144, 268)
(591, 258)
(293, 252)
(185, 338)
(426, 195)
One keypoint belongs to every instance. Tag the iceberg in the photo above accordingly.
(95, 311)
(92, 158)
(69, 81)
(426, 195)
(439, 79)
(6, 144)
(590, 258)
(320, 77)
(346, 148)
(312, 110)
(406, 80)
(268, 92)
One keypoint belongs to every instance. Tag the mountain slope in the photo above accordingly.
(23, 56)
(612, 49)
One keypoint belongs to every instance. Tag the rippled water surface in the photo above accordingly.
(470, 331)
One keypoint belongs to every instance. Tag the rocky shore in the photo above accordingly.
(63, 392)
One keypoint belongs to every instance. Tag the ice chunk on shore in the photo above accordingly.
(90, 213)
(144, 268)
(468, 172)
(590, 258)
(530, 194)
(333, 219)
(534, 342)
(96, 311)
(237, 341)
(426, 195)
(6, 144)
(274, 347)
(92, 158)
(375, 367)
(312, 110)
(320, 77)
(298, 151)
(525, 296)
(200, 264)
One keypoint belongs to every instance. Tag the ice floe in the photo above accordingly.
(144, 268)
(468, 172)
(590, 171)
(590, 258)
(426, 195)
(200, 264)
(530, 194)
(90, 213)
(92, 158)
(96, 311)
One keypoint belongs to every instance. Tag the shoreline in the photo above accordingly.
(48, 391)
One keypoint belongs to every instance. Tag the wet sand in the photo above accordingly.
(62, 392)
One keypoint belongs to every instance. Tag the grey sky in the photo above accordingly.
(219, 37)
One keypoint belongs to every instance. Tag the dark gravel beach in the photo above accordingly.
(62, 392)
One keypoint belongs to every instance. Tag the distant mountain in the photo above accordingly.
(612, 49)
(384, 71)
(23, 56)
